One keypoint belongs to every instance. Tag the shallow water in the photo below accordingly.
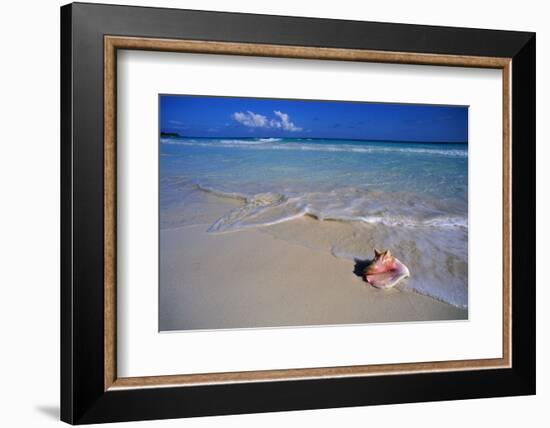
(409, 197)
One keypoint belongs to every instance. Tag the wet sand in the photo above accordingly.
(252, 278)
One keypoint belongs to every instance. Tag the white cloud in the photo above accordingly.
(285, 122)
(251, 119)
(254, 120)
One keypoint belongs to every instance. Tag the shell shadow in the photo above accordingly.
(360, 265)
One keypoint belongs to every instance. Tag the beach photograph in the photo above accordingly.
(294, 213)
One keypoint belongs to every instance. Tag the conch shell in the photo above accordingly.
(385, 270)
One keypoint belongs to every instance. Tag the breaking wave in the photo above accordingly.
(307, 145)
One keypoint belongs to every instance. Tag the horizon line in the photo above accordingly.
(376, 140)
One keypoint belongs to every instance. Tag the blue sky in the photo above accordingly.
(197, 116)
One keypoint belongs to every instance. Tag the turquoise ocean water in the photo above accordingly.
(410, 197)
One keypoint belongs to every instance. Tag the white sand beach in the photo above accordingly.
(253, 278)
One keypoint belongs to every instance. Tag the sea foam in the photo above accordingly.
(347, 205)
(307, 145)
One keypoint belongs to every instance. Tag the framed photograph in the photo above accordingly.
(265, 213)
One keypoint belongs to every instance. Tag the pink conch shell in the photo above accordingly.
(385, 270)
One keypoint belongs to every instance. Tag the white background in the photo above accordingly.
(29, 218)
(144, 352)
